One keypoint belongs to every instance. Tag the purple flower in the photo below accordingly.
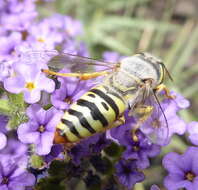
(140, 150)
(54, 153)
(192, 129)
(30, 80)
(3, 140)
(18, 15)
(75, 48)
(13, 175)
(111, 56)
(88, 147)
(42, 34)
(71, 27)
(6, 69)
(9, 43)
(70, 90)
(117, 134)
(178, 103)
(11, 149)
(183, 170)
(3, 122)
(40, 128)
(127, 173)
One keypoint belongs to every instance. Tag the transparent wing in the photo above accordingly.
(156, 126)
(78, 63)
(32, 57)
(58, 61)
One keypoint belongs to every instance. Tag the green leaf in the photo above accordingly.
(119, 22)
(36, 161)
(50, 183)
(5, 108)
(17, 108)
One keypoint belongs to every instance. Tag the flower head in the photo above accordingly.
(45, 37)
(30, 80)
(13, 175)
(127, 173)
(40, 128)
(90, 146)
(140, 150)
(12, 151)
(182, 170)
(192, 129)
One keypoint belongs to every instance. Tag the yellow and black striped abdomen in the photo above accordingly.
(95, 111)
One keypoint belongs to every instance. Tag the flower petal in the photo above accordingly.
(46, 142)
(32, 96)
(27, 134)
(14, 84)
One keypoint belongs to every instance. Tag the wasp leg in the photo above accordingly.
(162, 87)
(116, 123)
(81, 76)
(143, 112)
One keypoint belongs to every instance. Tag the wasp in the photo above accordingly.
(126, 85)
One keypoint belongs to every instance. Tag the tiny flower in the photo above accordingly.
(140, 150)
(40, 128)
(71, 27)
(8, 44)
(127, 173)
(30, 80)
(42, 34)
(178, 103)
(13, 175)
(11, 149)
(192, 129)
(182, 170)
(18, 15)
(90, 146)
(71, 88)
(75, 48)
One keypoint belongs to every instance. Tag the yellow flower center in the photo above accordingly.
(41, 129)
(40, 40)
(190, 176)
(30, 86)
(68, 100)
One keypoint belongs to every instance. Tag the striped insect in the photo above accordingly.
(126, 85)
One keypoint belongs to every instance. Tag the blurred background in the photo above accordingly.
(166, 28)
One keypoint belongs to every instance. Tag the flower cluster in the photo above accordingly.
(32, 103)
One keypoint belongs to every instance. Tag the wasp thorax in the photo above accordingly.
(143, 66)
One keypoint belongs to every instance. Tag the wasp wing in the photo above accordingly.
(36, 56)
(156, 126)
(78, 64)
(58, 61)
